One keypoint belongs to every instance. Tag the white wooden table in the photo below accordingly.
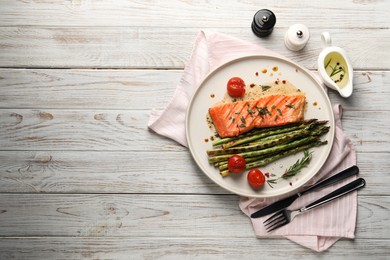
(81, 176)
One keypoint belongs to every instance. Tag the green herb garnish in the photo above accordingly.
(280, 112)
(327, 64)
(294, 169)
(250, 111)
(265, 87)
(336, 69)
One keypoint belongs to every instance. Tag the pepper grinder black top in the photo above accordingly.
(263, 22)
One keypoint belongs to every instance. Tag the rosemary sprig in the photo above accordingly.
(336, 69)
(327, 64)
(294, 169)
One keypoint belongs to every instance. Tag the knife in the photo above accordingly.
(284, 203)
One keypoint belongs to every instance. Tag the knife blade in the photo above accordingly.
(284, 203)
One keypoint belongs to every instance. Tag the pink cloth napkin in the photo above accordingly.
(317, 229)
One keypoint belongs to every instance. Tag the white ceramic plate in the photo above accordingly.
(213, 89)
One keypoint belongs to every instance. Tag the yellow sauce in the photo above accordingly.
(337, 69)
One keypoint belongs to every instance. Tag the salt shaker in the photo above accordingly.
(263, 22)
(296, 37)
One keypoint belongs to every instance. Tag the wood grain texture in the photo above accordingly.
(140, 47)
(103, 172)
(141, 89)
(179, 248)
(87, 89)
(126, 130)
(81, 176)
(179, 13)
(139, 215)
(136, 172)
(78, 130)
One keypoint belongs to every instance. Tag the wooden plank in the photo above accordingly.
(126, 130)
(137, 215)
(146, 47)
(79, 130)
(103, 172)
(369, 88)
(76, 131)
(96, 89)
(182, 248)
(136, 172)
(141, 89)
(185, 14)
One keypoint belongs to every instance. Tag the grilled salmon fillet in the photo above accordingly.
(235, 118)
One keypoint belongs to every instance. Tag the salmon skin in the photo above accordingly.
(235, 118)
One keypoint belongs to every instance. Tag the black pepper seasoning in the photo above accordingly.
(263, 23)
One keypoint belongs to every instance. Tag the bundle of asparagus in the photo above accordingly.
(263, 146)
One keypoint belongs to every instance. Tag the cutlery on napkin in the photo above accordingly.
(317, 230)
(284, 217)
(284, 203)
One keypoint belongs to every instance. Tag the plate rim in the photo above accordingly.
(259, 56)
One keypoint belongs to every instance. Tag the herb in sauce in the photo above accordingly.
(335, 69)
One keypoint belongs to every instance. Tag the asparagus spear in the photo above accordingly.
(261, 130)
(276, 139)
(224, 164)
(270, 150)
(250, 138)
(270, 141)
(284, 154)
(265, 161)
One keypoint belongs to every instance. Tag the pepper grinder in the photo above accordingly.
(263, 23)
(296, 37)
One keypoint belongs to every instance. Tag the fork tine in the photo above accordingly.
(277, 225)
(276, 220)
(274, 217)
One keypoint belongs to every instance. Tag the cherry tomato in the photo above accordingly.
(256, 178)
(236, 164)
(236, 87)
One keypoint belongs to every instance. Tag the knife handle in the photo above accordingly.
(352, 186)
(335, 178)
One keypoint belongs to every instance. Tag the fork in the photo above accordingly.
(285, 216)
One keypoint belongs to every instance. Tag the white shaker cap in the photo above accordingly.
(296, 37)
